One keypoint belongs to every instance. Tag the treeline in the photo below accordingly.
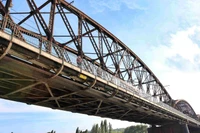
(105, 127)
(136, 129)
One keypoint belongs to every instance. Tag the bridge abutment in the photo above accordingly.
(171, 128)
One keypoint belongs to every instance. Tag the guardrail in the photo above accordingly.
(59, 52)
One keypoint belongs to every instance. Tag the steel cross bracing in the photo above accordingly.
(106, 50)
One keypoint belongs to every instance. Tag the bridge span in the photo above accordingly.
(112, 81)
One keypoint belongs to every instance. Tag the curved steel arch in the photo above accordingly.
(108, 51)
(198, 117)
(185, 107)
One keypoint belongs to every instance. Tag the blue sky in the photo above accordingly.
(165, 34)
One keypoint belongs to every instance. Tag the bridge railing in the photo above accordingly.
(59, 52)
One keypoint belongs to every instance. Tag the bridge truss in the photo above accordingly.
(83, 35)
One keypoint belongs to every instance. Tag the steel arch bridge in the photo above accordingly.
(37, 67)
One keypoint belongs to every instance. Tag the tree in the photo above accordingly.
(102, 127)
(93, 130)
(136, 129)
(105, 126)
(77, 130)
(52, 132)
(86, 131)
(80, 131)
(110, 128)
(97, 129)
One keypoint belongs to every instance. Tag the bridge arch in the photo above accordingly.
(111, 54)
(185, 108)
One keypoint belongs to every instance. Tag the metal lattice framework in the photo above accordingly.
(82, 34)
(185, 107)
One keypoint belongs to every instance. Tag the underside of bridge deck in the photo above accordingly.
(20, 81)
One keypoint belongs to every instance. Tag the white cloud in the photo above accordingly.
(175, 64)
(78, 120)
(190, 10)
(100, 6)
(14, 107)
(132, 4)
(120, 124)
(182, 45)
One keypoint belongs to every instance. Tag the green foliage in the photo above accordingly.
(52, 132)
(93, 129)
(136, 129)
(77, 130)
(97, 128)
(86, 131)
(102, 127)
(118, 130)
(105, 127)
(110, 128)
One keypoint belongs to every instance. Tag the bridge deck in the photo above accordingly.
(30, 75)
